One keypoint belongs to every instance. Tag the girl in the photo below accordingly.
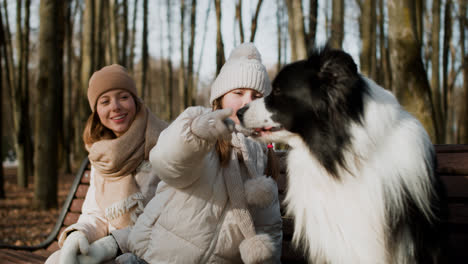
(214, 204)
(119, 134)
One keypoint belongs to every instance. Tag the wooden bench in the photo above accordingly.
(452, 167)
(69, 214)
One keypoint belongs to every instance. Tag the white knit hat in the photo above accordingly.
(243, 69)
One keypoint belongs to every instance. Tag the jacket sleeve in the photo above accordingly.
(178, 155)
(91, 221)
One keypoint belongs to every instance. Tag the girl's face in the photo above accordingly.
(116, 110)
(238, 98)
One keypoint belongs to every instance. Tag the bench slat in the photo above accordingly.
(19, 257)
(86, 177)
(453, 163)
(456, 186)
(71, 218)
(76, 205)
(81, 191)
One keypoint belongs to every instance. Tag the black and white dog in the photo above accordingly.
(361, 170)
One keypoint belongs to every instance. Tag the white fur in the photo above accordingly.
(344, 221)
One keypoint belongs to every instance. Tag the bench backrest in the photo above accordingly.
(452, 167)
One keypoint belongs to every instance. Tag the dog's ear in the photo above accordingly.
(332, 65)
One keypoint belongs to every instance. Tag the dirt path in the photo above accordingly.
(19, 224)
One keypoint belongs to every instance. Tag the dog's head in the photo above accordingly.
(314, 100)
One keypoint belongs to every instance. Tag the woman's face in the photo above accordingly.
(116, 110)
(238, 98)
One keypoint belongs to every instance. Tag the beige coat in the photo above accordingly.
(92, 221)
(190, 219)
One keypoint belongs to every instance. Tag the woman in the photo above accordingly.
(213, 204)
(119, 134)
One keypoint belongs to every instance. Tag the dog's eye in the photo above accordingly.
(276, 91)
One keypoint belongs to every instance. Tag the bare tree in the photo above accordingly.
(313, 17)
(337, 24)
(463, 24)
(48, 85)
(435, 62)
(385, 70)
(20, 96)
(144, 50)
(447, 92)
(253, 24)
(368, 37)
(169, 61)
(182, 83)
(239, 19)
(113, 28)
(123, 49)
(190, 88)
(220, 59)
(410, 81)
(2, 44)
(87, 69)
(133, 37)
(296, 30)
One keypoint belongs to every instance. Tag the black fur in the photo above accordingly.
(333, 98)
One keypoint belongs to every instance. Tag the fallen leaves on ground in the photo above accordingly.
(20, 224)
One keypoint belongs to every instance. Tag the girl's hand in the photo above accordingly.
(214, 125)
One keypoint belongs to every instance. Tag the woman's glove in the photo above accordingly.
(101, 250)
(75, 244)
(214, 125)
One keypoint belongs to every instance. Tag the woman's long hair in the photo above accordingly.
(95, 131)
(224, 148)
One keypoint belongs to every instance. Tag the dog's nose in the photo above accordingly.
(240, 112)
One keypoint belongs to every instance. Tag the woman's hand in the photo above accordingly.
(101, 250)
(76, 243)
(214, 125)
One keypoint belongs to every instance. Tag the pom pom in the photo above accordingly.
(260, 191)
(246, 51)
(257, 249)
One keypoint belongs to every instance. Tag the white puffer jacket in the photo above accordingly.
(190, 219)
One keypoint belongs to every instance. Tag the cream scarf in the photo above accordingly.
(115, 162)
(255, 248)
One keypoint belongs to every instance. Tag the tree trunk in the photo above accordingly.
(313, 18)
(296, 30)
(253, 25)
(170, 88)
(87, 69)
(123, 56)
(144, 49)
(435, 81)
(409, 76)
(463, 123)
(191, 84)
(182, 84)
(99, 55)
(279, 27)
(67, 113)
(113, 28)
(132, 42)
(445, 66)
(48, 85)
(220, 59)
(239, 20)
(367, 28)
(337, 24)
(2, 44)
(386, 70)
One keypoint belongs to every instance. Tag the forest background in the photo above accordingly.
(174, 48)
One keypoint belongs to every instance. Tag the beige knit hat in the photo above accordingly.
(108, 78)
(243, 69)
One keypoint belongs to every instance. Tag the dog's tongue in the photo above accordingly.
(260, 129)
